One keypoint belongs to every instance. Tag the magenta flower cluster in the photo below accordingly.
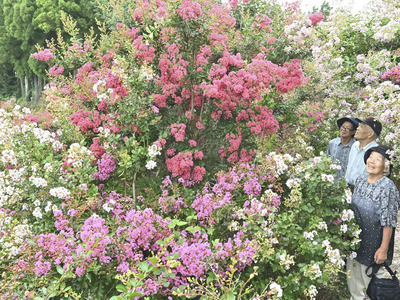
(106, 165)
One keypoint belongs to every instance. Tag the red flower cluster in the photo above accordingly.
(316, 18)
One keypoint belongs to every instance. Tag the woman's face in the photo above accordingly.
(376, 164)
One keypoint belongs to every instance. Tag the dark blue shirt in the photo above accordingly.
(375, 206)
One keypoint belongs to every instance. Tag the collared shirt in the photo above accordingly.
(356, 165)
(375, 206)
(340, 152)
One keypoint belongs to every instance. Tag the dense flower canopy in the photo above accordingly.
(181, 153)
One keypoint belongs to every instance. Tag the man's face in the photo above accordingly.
(363, 132)
(347, 129)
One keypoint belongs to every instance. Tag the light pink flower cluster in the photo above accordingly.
(106, 166)
(393, 74)
(44, 55)
(189, 10)
(316, 18)
(178, 131)
(56, 70)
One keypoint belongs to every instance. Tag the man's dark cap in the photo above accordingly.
(352, 120)
(382, 149)
(374, 124)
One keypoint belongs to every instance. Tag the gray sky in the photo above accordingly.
(353, 5)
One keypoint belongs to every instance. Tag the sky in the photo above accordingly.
(353, 5)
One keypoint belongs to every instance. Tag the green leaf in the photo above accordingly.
(192, 229)
(121, 288)
(60, 270)
(117, 298)
(144, 266)
(134, 294)
(153, 260)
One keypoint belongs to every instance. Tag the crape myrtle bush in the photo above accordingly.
(143, 179)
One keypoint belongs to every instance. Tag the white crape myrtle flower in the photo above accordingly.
(38, 181)
(334, 256)
(14, 251)
(8, 156)
(317, 160)
(107, 208)
(35, 168)
(59, 192)
(274, 241)
(288, 157)
(286, 260)
(97, 84)
(48, 207)
(20, 232)
(151, 164)
(348, 195)
(353, 255)
(153, 151)
(16, 175)
(48, 167)
(347, 215)
(327, 178)
(270, 193)
(77, 154)
(37, 213)
(26, 110)
(313, 291)
(44, 136)
(343, 228)
(326, 244)
(335, 167)
(310, 235)
(322, 226)
(293, 182)
(276, 289)
(57, 146)
(316, 270)
(102, 96)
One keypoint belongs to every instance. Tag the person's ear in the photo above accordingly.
(372, 135)
(386, 169)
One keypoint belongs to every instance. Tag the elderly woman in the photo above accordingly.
(375, 203)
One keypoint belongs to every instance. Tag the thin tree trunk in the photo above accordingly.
(40, 84)
(36, 83)
(22, 87)
(26, 88)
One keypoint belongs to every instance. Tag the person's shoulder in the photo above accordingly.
(362, 177)
(334, 141)
(390, 184)
(370, 145)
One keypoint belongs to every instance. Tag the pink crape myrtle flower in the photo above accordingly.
(189, 10)
(316, 18)
(56, 70)
(44, 55)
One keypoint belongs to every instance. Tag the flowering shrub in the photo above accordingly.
(176, 156)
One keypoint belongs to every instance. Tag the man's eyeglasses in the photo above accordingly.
(346, 128)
